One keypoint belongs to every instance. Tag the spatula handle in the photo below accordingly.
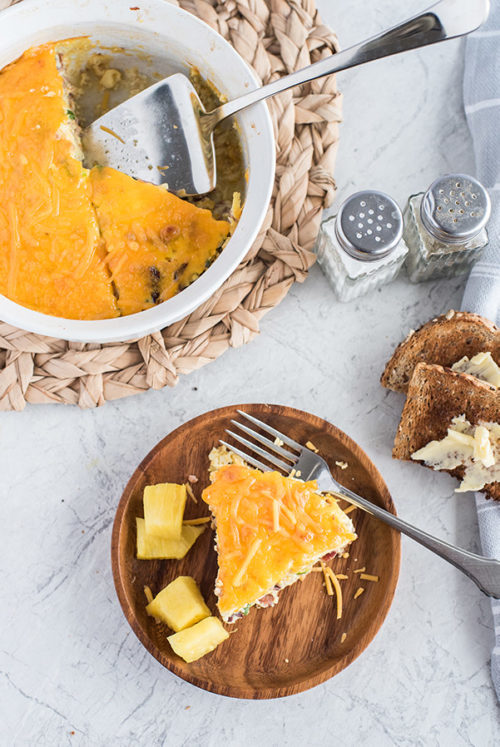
(446, 19)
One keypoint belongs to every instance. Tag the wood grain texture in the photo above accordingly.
(296, 644)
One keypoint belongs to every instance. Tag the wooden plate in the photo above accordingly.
(296, 644)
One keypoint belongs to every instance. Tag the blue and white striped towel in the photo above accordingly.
(482, 293)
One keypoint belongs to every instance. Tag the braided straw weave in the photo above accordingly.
(275, 37)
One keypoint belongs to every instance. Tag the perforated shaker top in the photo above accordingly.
(369, 225)
(455, 208)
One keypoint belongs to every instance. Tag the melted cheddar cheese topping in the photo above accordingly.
(156, 243)
(269, 528)
(76, 243)
(51, 255)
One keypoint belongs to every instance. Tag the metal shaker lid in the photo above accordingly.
(369, 225)
(455, 208)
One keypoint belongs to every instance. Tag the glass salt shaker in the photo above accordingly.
(445, 227)
(361, 247)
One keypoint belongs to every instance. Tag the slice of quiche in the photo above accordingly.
(51, 255)
(270, 531)
(156, 243)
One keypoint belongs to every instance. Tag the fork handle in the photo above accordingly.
(485, 572)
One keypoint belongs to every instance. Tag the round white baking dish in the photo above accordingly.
(173, 40)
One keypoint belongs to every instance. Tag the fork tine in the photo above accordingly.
(286, 440)
(246, 457)
(261, 452)
(263, 440)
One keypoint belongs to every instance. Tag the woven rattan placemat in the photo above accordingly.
(276, 37)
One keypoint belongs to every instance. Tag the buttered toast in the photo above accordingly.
(444, 340)
(436, 395)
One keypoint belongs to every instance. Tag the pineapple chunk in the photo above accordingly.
(193, 643)
(179, 604)
(164, 509)
(155, 548)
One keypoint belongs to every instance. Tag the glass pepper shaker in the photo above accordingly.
(445, 227)
(361, 247)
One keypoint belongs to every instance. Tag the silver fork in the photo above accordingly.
(485, 572)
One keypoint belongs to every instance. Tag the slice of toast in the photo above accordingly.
(435, 396)
(444, 340)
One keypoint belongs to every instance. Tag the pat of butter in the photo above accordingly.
(459, 438)
(482, 446)
(476, 448)
(482, 366)
(472, 481)
(437, 454)
(448, 453)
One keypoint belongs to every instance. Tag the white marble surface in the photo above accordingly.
(72, 672)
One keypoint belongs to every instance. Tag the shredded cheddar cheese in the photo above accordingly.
(338, 591)
(190, 493)
(235, 210)
(349, 509)
(344, 636)
(358, 592)
(368, 577)
(328, 583)
(113, 133)
(244, 566)
(360, 570)
(289, 514)
(149, 594)
(276, 515)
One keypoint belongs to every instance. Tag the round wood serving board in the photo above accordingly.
(296, 644)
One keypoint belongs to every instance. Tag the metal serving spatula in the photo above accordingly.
(164, 135)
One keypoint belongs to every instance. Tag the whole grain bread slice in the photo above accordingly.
(435, 396)
(443, 340)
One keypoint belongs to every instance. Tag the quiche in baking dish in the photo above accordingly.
(271, 531)
(80, 243)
